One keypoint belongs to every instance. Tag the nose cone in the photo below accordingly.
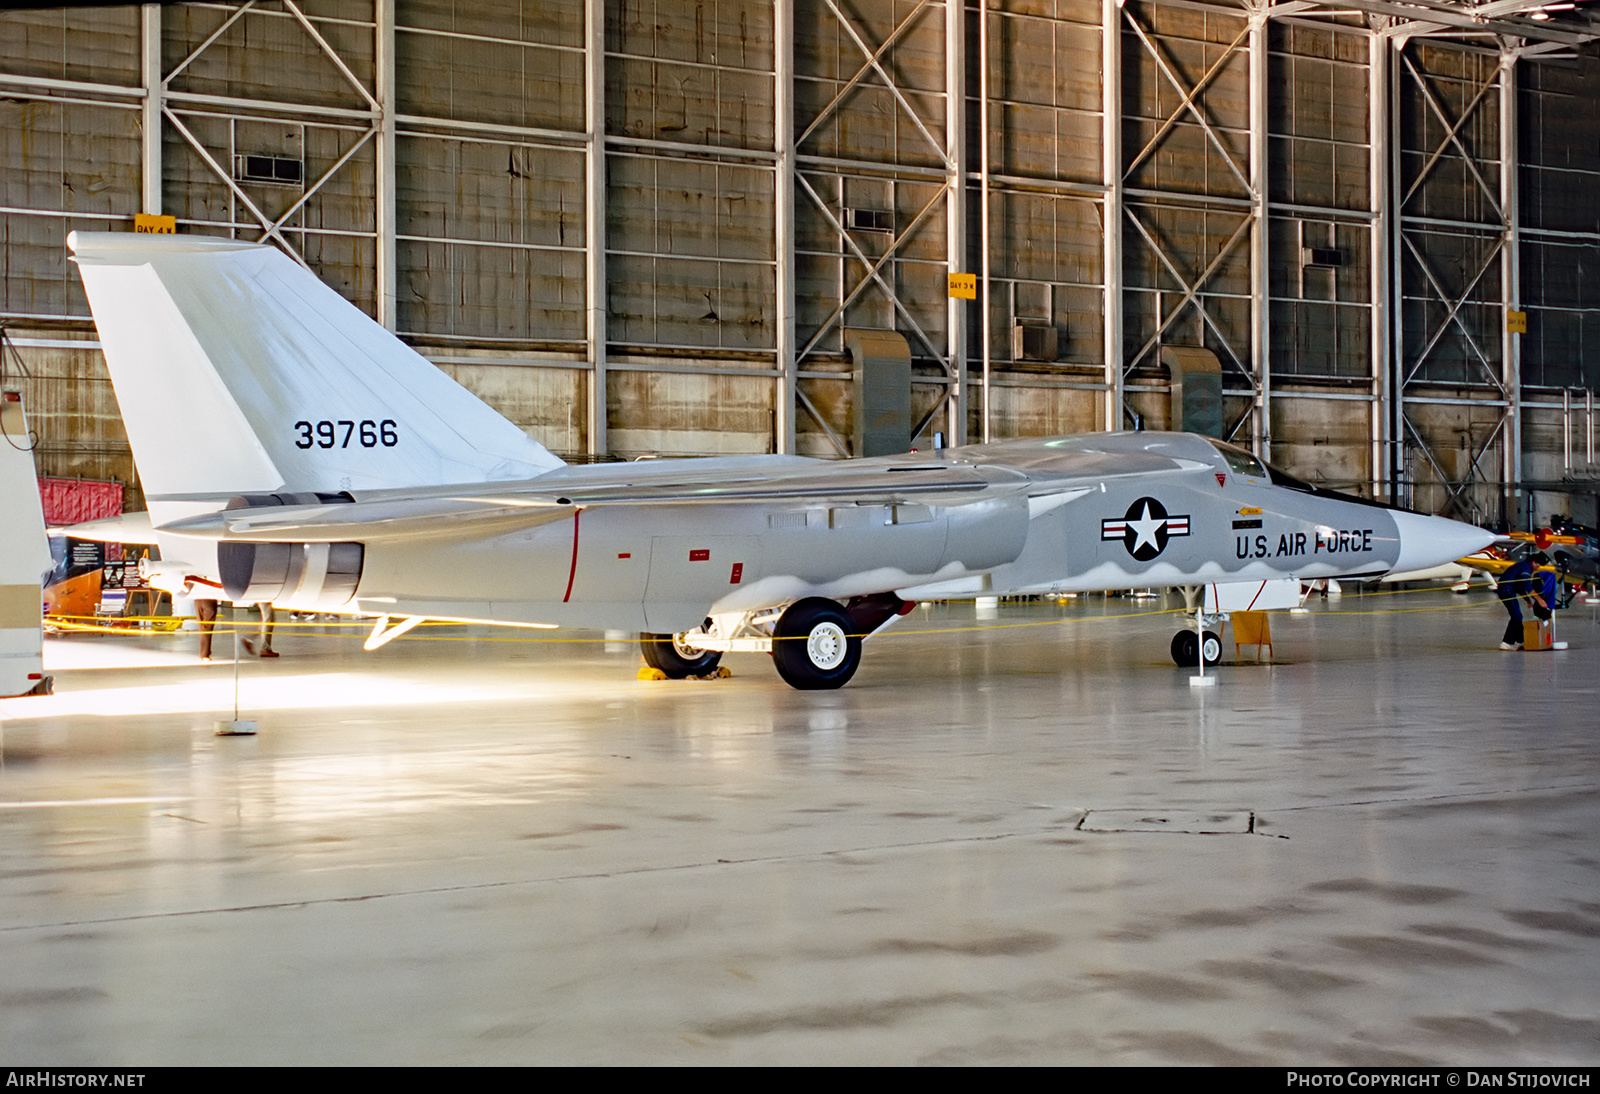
(1433, 541)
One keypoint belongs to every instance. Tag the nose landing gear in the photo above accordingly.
(1186, 646)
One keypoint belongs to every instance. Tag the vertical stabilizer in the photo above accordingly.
(24, 555)
(238, 371)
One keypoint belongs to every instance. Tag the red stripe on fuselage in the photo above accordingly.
(572, 573)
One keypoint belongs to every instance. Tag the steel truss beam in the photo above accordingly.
(1111, 211)
(785, 397)
(950, 193)
(1250, 42)
(594, 225)
(1502, 375)
(386, 213)
(159, 98)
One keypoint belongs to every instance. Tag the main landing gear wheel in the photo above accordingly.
(665, 652)
(1185, 646)
(813, 648)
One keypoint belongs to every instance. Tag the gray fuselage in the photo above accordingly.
(1106, 511)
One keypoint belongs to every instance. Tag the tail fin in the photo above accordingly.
(238, 371)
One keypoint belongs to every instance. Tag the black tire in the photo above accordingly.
(1186, 649)
(813, 646)
(661, 651)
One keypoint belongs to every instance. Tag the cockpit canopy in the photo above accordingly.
(1244, 463)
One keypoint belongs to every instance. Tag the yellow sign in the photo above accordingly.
(150, 222)
(964, 286)
(1517, 322)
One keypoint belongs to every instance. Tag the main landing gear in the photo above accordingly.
(668, 654)
(815, 643)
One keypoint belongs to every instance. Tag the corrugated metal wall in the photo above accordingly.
(738, 243)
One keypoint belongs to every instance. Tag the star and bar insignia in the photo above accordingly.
(1145, 528)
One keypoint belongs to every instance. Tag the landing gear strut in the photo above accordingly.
(1187, 643)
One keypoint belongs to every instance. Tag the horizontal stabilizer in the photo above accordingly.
(368, 521)
(123, 528)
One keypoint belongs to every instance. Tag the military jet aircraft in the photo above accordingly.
(295, 452)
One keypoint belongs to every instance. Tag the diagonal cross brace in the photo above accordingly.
(1457, 491)
(1190, 291)
(827, 430)
(212, 37)
(338, 62)
(874, 272)
(275, 231)
(875, 65)
(268, 228)
(1451, 137)
(869, 66)
(1189, 102)
(300, 17)
(1454, 306)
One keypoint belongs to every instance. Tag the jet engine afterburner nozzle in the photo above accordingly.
(313, 576)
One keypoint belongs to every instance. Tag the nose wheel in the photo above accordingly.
(1186, 648)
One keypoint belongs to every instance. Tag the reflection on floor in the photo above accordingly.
(1023, 839)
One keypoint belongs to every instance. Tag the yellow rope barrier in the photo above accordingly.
(168, 626)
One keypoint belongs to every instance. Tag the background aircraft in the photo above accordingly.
(295, 452)
(1573, 547)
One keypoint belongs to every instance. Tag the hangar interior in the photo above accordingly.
(641, 227)
(658, 226)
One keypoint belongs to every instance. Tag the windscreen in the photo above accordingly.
(1244, 463)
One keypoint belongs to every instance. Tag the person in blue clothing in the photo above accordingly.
(1525, 579)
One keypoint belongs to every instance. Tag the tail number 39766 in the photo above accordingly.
(368, 434)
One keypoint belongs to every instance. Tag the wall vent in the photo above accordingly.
(277, 169)
(1034, 342)
(869, 220)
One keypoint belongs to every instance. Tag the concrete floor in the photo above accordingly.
(1030, 843)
